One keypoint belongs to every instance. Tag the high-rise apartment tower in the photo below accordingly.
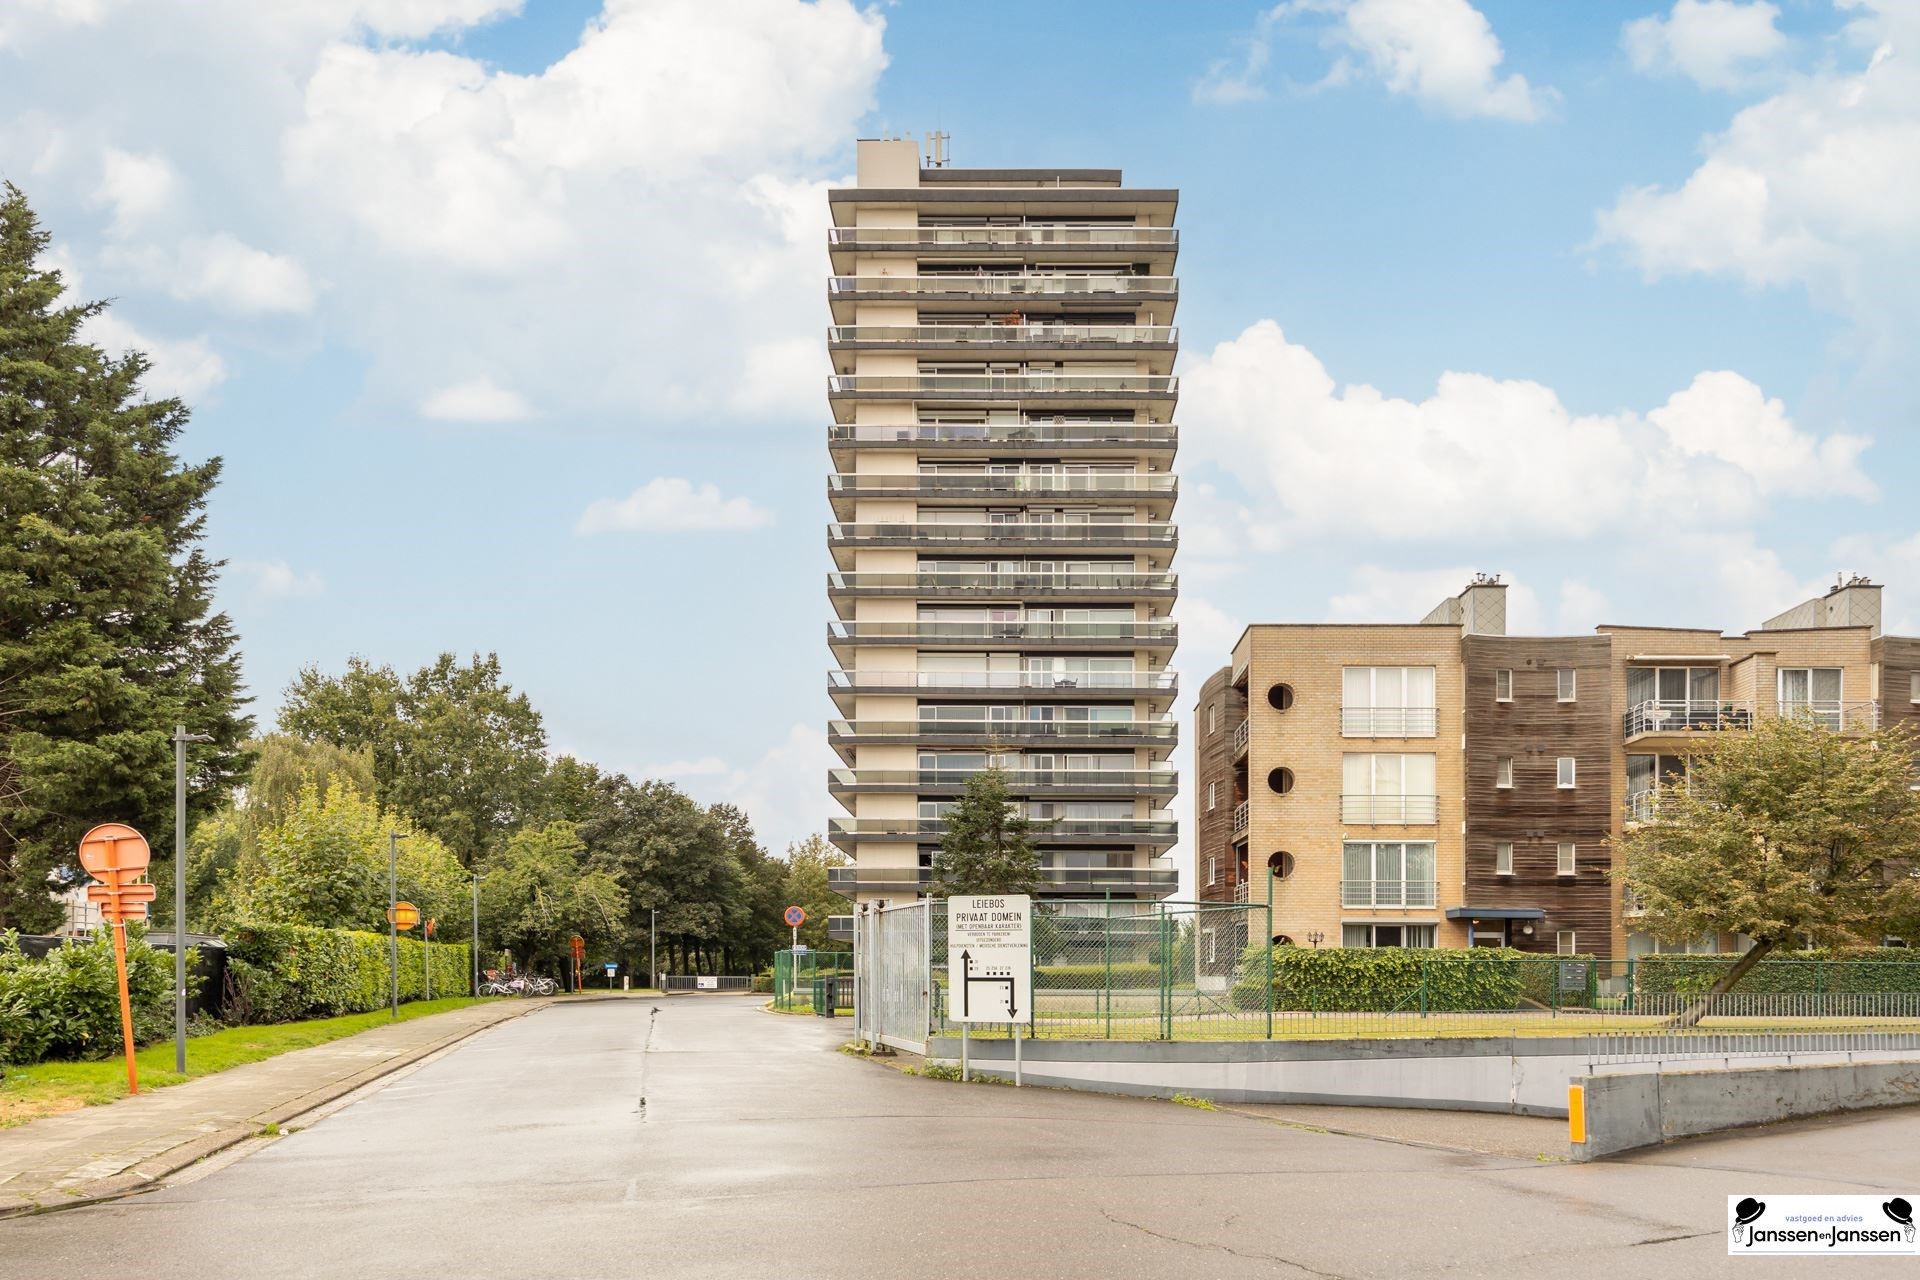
(1002, 492)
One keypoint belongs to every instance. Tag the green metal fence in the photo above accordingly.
(801, 979)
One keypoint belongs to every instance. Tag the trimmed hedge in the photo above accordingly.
(285, 972)
(1411, 979)
(1876, 971)
(68, 1005)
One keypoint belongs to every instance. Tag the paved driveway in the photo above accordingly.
(700, 1136)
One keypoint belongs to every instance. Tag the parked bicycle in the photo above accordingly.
(517, 984)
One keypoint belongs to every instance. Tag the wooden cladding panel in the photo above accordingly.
(1213, 763)
(1899, 659)
(1535, 729)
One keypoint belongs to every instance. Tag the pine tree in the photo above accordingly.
(988, 846)
(107, 635)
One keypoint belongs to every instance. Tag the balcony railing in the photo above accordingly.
(1122, 830)
(1001, 385)
(1078, 235)
(1642, 805)
(969, 484)
(1387, 722)
(1686, 715)
(1389, 893)
(1018, 780)
(1026, 335)
(1162, 728)
(1027, 286)
(1008, 582)
(1242, 735)
(1158, 877)
(1365, 810)
(1159, 631)
(1008, 434)
(1242, 815)
(1240, 893)
(1153, 681)
(1841, 717)
(1148, 532)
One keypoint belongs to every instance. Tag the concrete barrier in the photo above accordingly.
(1624, 1112)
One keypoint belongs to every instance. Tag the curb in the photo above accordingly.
(148, 1175)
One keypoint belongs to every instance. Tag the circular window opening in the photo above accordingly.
(1282, 940)
(1281, 780)
(1280, 697)
(1281, 865)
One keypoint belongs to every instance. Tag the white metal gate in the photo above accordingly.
(892, 966)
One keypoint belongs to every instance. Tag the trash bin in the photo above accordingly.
(826, 996)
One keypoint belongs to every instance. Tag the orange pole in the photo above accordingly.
(126, 1003)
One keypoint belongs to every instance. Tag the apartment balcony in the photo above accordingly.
(1240, 892)
(1160, 733)
(1091, 784)
(1159, 833)
(1685, 716)
(1153, 492)
(1157, 878)
(1386, 722)
(1841, 717)
(1242, 738)
(1155, 343)
(1382, 811)
(1032, 585)
(1157, 688)
(971, 291)
(1641, 806)
(1242, 817)
(1155, 539)
(1082, 390)
(1153, 443)
(1389, 893)
(1151, 634)
(840, 928)
(1079, 238)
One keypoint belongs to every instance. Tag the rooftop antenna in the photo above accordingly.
(937, 149)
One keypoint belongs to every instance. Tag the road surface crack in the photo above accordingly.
(1251, 1255)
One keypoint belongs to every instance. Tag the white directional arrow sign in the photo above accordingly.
(989, 958)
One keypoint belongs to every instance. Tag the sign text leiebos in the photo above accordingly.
(989, 958)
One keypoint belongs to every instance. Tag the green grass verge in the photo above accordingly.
(46, 1088)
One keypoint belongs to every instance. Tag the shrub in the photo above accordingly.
(1403, 979)
(1874, 971)
(283, 972)
(68, 1005)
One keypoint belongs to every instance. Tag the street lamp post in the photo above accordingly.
(393, 915)
(180, 740)
(476, 933)
(653, 965)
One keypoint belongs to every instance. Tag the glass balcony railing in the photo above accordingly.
(1162, 831)
(1387, 722)
(1119, 582)
(1076, 235)
(1006, 484)
(1365, 810)
(1036, 334)
(1036, 285)
(1009, 434)
(1118, 532)
(1841, 717)
(1159, 729)
(1162, 631)
(936, 385)
(1389, 893)
(1158, 877)
(1052, 681)
(1018, 780)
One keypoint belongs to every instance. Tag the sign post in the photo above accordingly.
(116, 855)
(401, 916)
(579, 946)
(795, 917)
(990, 965)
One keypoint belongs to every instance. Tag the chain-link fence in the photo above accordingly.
(1129, 970)
(806, 981)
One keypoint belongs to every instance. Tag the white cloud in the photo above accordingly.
(138, 187)
(276, 579)
(184, 367)
(1489, 457)
(1817, 186)
(239, 277)
(478, 400)
(783, 792)
(668, 504)
(1442, 52)
(1714, 43)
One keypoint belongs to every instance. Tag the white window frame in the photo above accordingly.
(1566, 859)
(1566, 773)
(1566, 684)
(1209, 935)
(1566, 942)
(1503, 677)
(1503, 857)
(1213, 869)
(1503, 773)
(1213, 717)
(1213, 796)
(1913, 687)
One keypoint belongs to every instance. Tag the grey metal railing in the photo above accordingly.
(1028, 334)
(1145, 631)
(1378, 810)
(1117, 581)
(1389, 893)
(987, 730)
(1387, 722)
(1140, 484)
(1152, 532)
(1088, 235)
(1001, 384)
(1035, 285)
(1028, 433)
(1157, 681)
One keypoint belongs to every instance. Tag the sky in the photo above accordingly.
(508, 318)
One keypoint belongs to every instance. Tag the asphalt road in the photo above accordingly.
(701, 1136)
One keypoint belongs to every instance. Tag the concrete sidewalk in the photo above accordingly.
(101, 1152)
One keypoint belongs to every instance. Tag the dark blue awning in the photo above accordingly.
(1495, 913)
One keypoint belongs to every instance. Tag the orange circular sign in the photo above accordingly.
(114, 846)
(403, 915)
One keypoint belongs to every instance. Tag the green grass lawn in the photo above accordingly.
(27, 1093)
